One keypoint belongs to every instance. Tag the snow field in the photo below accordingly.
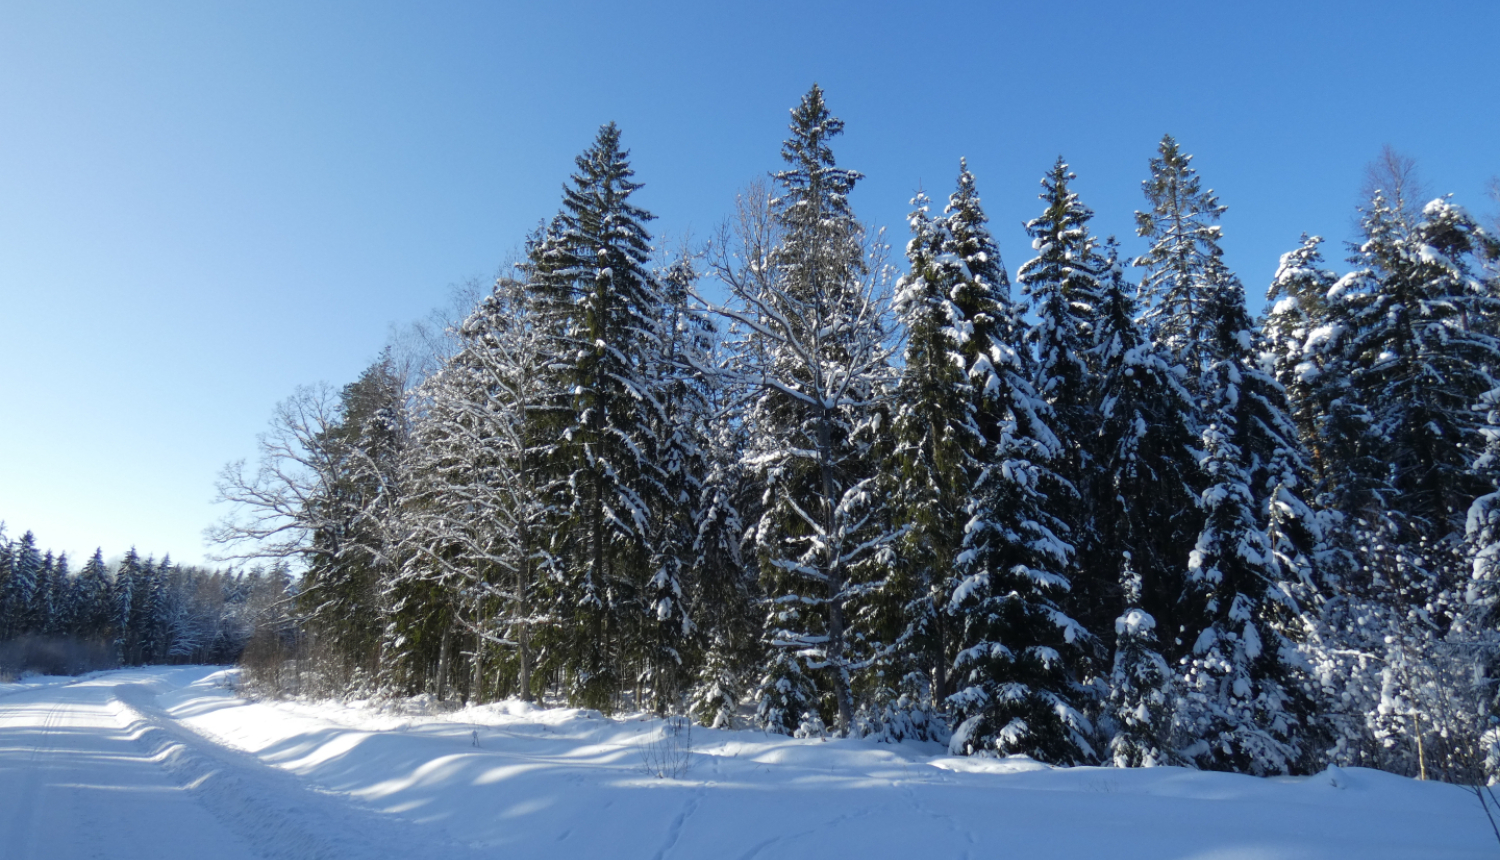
(571, 783)
(167, 763)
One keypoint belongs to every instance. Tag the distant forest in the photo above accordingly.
(56, 621)
(1095, 513)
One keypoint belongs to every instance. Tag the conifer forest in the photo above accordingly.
(1088, 509)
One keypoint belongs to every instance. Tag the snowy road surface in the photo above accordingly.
(167, 763)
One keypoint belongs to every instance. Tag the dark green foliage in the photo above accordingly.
(937, 452)
(358, 453)
(1016, 670)
(602, 314)
(1144, 497)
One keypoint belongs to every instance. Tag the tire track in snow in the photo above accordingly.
(23, 817)
(275, 813)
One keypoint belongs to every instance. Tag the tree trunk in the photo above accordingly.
(525, 664)
(835, 581)
(441, 688)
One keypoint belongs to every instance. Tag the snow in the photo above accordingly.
(168, 762)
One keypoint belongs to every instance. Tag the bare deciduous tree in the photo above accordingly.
(1395, 176)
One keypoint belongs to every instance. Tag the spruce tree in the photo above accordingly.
(7, 568)
(1141, 689)
(681, 376)
(600, 309)
(92, 599)
(1421, 349)
(1062, 284)
(1144, 499)
(1017, 666)
(937, 452)
(1242, 695)
(1063, 287)
(21, 588)
(60, 592)
(1294, 328)
(127, 574)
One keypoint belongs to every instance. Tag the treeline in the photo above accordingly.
(140, 611)
(1088, 516)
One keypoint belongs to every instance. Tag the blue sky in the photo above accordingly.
(203, 206)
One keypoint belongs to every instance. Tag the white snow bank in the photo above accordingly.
(519, 781)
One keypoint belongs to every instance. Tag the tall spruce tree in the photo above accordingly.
(1016, 670)
(937, 451)
(1421, 350)
(683, 378)
(1144, 498)
(92, 615)
(1062, 284)
(18, 601)
(127, 575)
(601, 309)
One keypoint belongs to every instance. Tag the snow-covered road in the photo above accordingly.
(75, 782)
(95, 769)
(167, 763)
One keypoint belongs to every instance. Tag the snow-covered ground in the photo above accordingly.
(166, 763)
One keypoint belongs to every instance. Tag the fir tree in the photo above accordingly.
(1016, 672)
(7, 569)
(1295, 327)
(1062, 283)
(1063, 287)
(718, 692)
(1141, 696)
(1242, 701)
(681, 377)
(60, 593)
(1420, 349)
(127, 574)
(1253, 406)
(1144, 499)
(21, 588)
(601, 309)
(937, 452)
(92, 613)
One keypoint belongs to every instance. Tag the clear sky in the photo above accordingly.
(205, 205)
